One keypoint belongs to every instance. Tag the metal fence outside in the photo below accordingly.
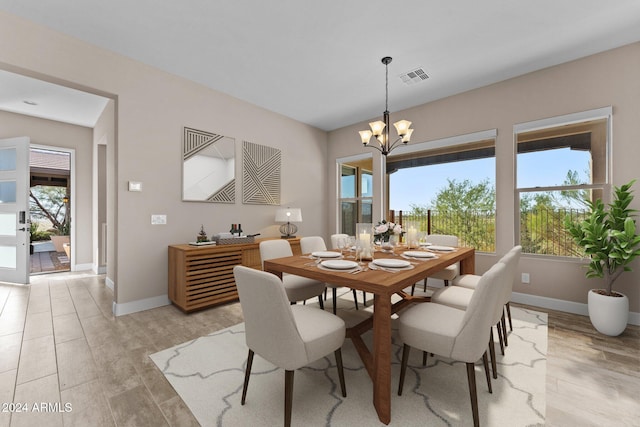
(542, 230)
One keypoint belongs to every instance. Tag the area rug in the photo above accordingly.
(208, 373)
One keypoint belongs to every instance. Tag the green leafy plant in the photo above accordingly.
(608, 237)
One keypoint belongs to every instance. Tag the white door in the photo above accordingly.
(14, 210)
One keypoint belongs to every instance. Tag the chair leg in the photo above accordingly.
(499, 328)
(485, 362)
(403, 367)
(288, 397)
(492, 351)
(504, 330)
(325, 293)
(364, 298)
(413, 288)
(335, 299)
(471, 377)
(446, 283)
(338, 354)
(424, 358)
(424, 285)
(321, 302)
(509, 316)
(247, 374)
(355, 298)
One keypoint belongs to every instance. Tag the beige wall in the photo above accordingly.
(60, 135)
(607, 79)
(152, 107)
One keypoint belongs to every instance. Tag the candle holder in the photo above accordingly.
(412, 235)
(364, 241)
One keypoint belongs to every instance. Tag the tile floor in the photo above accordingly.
(60, 345)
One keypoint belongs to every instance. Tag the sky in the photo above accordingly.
(420, 185)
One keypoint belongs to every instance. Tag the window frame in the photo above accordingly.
(557, 122)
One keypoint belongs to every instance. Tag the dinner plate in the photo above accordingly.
(391, 263)
(419, 254)
(441, 248)
(326, 254)
(426, 244)
(339, 264)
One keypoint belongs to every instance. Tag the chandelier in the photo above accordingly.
(380, 128)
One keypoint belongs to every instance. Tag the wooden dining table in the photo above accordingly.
(383, 285)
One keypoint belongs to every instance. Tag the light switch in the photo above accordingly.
(135, 186)
(158, 219)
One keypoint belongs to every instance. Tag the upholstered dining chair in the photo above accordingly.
(449, 273)
(310, 244)
(471, 280)
(298, 288)
(460, 297)
(289, 336)
(457, 334)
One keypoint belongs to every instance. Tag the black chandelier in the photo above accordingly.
(380, 128)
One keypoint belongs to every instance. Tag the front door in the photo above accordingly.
(14, 210)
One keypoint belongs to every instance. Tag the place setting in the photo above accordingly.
(419, 255)
(339, 265)
(438, 248)
(390, 265)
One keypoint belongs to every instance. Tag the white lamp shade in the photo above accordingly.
(377, 127)
(402, 127)
(289, 215)
(407, 137)
(366, 136)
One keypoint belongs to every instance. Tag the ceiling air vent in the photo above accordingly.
(414, 76)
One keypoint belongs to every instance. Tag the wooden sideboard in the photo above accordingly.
(202, 276)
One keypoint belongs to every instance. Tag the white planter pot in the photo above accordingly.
(609, 315)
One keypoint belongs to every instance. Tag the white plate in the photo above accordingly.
(339, 264)
(323, 254)
(419, 254)
(441, 248)
(391, 263)
(426, 244)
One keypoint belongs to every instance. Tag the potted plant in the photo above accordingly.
(609, 238)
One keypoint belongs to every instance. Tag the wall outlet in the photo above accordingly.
(525, 278)
(158, 219)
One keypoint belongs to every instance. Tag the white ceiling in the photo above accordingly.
(319, 61)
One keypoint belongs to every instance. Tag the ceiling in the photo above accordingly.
(319, 62)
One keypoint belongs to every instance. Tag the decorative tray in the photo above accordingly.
(234, 240)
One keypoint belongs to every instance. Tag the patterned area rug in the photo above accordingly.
(208, 372)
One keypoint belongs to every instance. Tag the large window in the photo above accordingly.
(356, 195)
(447, 187)
(559, 167)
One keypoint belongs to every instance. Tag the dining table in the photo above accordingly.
(383, 283)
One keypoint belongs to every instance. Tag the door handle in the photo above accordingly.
(22, 229)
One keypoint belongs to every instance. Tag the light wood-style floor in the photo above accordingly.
(59, 342)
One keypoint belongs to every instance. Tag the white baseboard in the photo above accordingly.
(98, 269)
(140, 305)
(82, 267)
(110, 284)
(562, 305)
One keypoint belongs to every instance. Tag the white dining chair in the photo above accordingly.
(460, 297)
(298, 288)
(337, 241)
(450, 332)
(449, 273)
(310, 244)
(471, 280)
(289, 336)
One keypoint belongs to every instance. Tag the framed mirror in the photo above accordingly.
(208, 167)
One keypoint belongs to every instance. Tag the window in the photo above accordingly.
(356, 195)
(447, 187)
(560, 163)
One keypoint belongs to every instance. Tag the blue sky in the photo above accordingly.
(421, 184)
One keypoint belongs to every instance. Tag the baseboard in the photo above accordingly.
(562, 305)
(140, 305)
(98, 269)
(82, 267)
(109, 284)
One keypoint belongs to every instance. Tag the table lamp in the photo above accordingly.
(288, 215)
